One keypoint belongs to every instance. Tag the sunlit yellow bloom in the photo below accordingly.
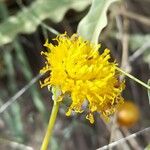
(77, 68)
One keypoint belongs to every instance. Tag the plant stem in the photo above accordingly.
(51, 123)
(133, 78)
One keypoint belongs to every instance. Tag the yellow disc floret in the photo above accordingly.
(77, 68)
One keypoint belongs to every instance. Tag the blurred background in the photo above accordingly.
(25, 108)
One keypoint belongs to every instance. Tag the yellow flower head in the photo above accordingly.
(77, 68)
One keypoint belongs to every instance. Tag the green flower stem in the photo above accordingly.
(51, 123)
(133, 78)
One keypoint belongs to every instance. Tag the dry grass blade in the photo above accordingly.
(139, 51)
(19, 93)
(124, 139)
(50, 29)
(15, 145)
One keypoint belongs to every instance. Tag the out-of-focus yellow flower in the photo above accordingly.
(77, 68)
(128, 114)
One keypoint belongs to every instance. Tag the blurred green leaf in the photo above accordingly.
(24, 65)
(12, 88)
(147, 147)
(146, 56)
(92, 24)
(6, 115)
(54, 144)
(14, 118)
(28, 19)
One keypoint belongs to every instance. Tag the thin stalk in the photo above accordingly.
(51, 123)
(133, 78)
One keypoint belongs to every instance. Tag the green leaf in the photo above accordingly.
(12, 88)
(148, 90)
(92, 24)
(147, 147)
(27, 20)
